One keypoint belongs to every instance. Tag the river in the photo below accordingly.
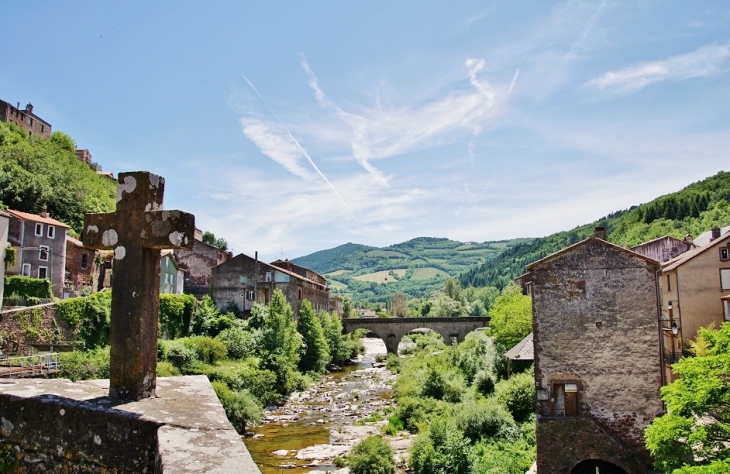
(324, 422)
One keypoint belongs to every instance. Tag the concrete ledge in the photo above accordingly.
(57, 425)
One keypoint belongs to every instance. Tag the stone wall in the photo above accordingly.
(77, 274)
(595, 324)
(197, 263)
(22, 327)
(64, 427)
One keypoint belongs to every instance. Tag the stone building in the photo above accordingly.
(597, 358)
(171, 277)
(34, 125)
(244, 281)
(40, 245)
(84, 155)
(81, 267)
(197, 264)
(664, 248)
(695, 292)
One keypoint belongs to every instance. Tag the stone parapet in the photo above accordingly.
(73, 427)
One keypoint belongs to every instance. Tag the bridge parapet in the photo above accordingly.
(391, 330)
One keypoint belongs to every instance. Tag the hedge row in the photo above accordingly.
(25, 286)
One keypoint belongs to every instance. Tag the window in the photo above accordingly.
(43, 253)
(31, 121)
(42, 272)
(267, 277)
(244, 279)
(669, 283)
(725, 278)
(51, 231)
(724, 254)
(26, 270)
(300, 293)
(726, 309)
(84, 260)
(250, 295)
(39, 229)
(43, 128)
(565, 399)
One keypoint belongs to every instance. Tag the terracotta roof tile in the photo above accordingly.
(36, 218)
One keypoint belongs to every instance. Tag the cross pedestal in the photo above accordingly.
(137, 231)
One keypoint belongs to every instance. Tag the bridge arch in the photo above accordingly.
(596, 466)
(392, 330)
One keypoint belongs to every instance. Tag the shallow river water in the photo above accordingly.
(315, 426)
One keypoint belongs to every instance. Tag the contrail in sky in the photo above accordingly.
(296, 142)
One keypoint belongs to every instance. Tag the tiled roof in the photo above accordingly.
(36, 218)
(670, 265)
(523, 350)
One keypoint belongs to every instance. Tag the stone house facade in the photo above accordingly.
(40, 245)
(664, 248)
(695, 292)
(197, 264)
(244, 281)
(597, 358)
(32, 123)
(81, 266)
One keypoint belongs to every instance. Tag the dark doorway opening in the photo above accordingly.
(596, 466)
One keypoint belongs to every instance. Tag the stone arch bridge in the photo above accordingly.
(391, 330)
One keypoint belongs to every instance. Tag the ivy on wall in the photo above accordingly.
(25, 286)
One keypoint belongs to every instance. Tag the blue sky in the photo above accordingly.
(291, 127)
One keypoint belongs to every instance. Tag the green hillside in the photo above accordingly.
(693, 210)
(38, 175)
(416, 267)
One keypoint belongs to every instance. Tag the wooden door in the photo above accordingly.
(571, 403)
(559, 400)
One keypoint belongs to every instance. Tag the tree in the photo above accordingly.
(210, 239)
(346, 308)
(399, 304)
(694, 435)
(511, 317)
(373, 455)
(315, 351)
(452, 289)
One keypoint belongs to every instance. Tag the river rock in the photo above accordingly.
(321, 452)
(281, 453)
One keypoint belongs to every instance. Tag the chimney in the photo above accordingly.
(600, 233)
(18, 106)
(230, 255)
(688, 238)
(44, 214)
(29, 108)
(715, 233)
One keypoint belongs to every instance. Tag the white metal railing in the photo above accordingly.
(30, 366)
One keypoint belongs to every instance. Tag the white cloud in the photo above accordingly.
(705, 61)
(274, 142)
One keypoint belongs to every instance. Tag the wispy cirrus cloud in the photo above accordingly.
(705, 61)
(274, 143)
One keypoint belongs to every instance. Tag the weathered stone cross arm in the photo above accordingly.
(137, 231)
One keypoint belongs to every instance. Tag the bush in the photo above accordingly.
(241, 407)
(415, 411)
(517, 394)
(90, 315)
(239, 376)
(442, 449)
(166, 369)
(85, 365)
(177, 352)
(207, 349)
(373, 455)
(175, 314)
(484, 383)
(26, 286)
(238, 342)
(482, 420)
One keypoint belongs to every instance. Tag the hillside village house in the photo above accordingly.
(197, 264)
(171, 277)
(40, 245)
(33, 124)
(81, 267)
(4, 224)
(244, 281)
(664, 248)
(597, 357)
(695, 292)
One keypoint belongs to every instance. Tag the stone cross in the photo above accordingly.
(137, 231)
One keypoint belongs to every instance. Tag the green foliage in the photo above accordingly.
(207, 349)
(209, 238)
(241, 407)
(478, 419)
(238, 342)
(208, 321)
(477, 354)
(37, 175)
(373, 455)
(26, 286)
(442, 449)
(85, 365)
(8, 460)
(511, 317)
(504, 457)
(680, 443)
(90, 316)
(179, 354)
(315, 349)
(175, 314)
(9, 257)
(517, 394)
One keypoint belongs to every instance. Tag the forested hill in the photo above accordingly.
(416, 267)
(38, 174)
(693, 210)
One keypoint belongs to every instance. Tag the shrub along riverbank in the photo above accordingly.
(467, 419)
(250, 363)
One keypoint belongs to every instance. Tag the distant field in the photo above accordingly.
(499, 245)
(476, 251)
(418, 260)
(427, 273)
(386, 254)
(337, 285)
(336, 272)
(381, 277)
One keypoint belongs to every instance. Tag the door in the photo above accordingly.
(559, 404)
